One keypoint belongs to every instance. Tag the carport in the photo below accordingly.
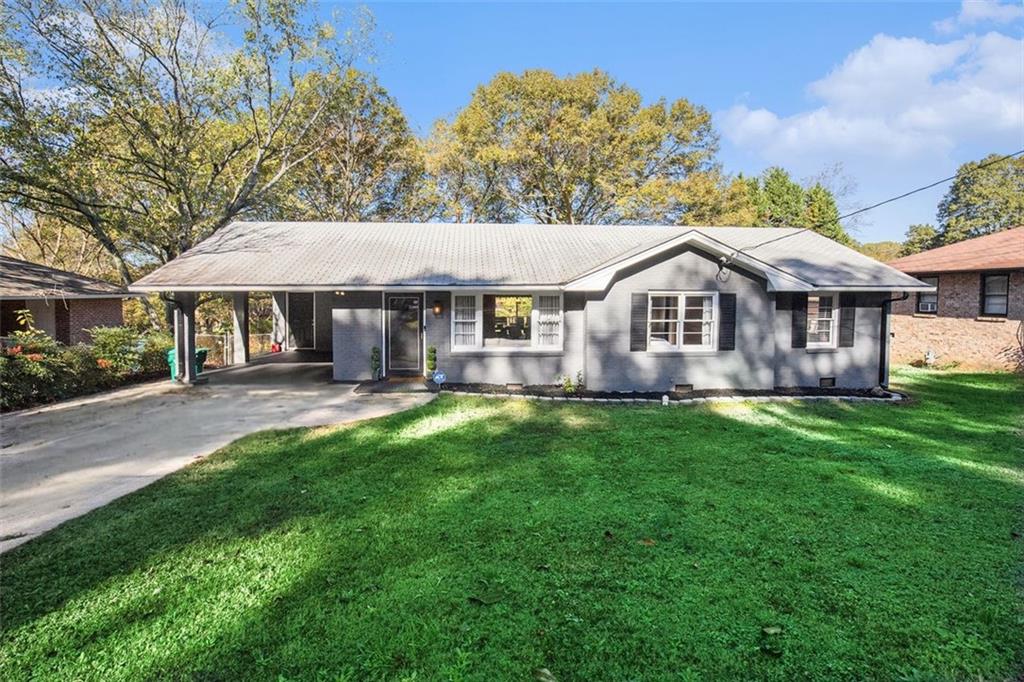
(301, 325)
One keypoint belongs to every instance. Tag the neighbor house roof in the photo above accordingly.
(21, 279)
(281, 255)
(997, 251)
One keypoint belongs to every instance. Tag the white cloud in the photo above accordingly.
(898, 99)
(974, 12)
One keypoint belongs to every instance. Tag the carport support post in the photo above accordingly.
(185, 337)
(240, 318)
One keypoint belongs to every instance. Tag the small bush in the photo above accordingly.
(570, 386)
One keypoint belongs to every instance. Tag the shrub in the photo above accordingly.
(35, 369)
(570, 387)
(119, 349)
(431, 358)
(154, 354)
(375, 362)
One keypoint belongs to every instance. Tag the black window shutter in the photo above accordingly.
(847, 319)
(799, 310)
(727, 324)
(638, 323)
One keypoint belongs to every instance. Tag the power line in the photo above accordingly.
(921, 189)
(729, 259)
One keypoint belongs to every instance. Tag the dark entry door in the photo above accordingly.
(404, 334)
(300, 319)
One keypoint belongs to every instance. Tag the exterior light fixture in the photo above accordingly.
(438, 308)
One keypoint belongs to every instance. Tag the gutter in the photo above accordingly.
(883, 345)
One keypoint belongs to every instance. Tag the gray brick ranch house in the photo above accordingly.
(63, 304)
(634, 308)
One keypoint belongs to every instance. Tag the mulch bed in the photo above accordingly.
(553, 391)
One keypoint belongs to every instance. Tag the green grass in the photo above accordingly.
(483, 539)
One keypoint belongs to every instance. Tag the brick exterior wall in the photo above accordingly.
(957, 332)
(92, 312)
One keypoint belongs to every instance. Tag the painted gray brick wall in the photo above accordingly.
(356, 325)
(855, 367)
(505, 367)
(611, 366)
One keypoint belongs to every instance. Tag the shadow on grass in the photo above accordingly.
(481, 537)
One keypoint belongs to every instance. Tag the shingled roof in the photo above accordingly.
(997, 251)
(282, 255)
(21, 279)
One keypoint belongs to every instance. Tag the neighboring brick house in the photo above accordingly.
(975, 316)
(63, 304)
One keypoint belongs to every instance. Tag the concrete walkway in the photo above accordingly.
(61, 461)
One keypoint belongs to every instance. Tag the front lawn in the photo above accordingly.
(485, 539)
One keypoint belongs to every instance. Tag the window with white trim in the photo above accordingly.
(464, 322)
(821, 321)
(682, 321)
(995, 294)
(928, 302)
(549, 320)
(506, 321)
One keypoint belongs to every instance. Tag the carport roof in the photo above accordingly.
(21, 279)
(284, 255)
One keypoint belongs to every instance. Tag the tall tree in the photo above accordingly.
(372, 167)
(579, 149)
(919, 238)
(821, 214)
(985, 197)
(51, 242)
(156, 131)
(782, 199)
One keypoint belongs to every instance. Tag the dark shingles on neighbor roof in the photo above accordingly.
(21, 279)
(282, 254)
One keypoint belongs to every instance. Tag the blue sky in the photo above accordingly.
(898, 93)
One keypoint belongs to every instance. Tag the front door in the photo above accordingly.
(404, 334)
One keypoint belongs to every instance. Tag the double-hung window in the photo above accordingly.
(995, 295)
(821, 321)
(464, 321)
(928, 303)
(507, 321)
(681, 321)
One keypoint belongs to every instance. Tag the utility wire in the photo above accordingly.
(921, 189)
(729, 259)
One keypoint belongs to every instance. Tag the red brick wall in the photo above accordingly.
(93, 312)
(958, 333)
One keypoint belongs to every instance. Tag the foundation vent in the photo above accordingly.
(827, 382)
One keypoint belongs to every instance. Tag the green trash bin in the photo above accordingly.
(172, 361)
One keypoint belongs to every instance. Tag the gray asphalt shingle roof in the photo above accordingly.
(21, 279)
(263, 256)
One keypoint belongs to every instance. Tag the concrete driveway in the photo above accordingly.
(60, 461)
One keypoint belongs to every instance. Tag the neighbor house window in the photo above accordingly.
(995, 290)
(928, 303)
(507, 321)
(464, 322)
(681, 321)
(821, 321)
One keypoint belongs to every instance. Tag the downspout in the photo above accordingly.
(883, 345)
(178, 374)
